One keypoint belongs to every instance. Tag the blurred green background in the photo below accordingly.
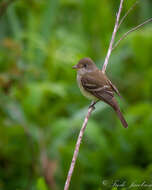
(42, 109)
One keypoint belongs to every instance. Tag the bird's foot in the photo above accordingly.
(92, 105)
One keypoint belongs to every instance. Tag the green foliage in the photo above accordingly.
(41, 184)
(42, 109)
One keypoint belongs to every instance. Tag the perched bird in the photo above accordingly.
(95, 85)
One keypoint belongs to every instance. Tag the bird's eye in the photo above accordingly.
(85, 65)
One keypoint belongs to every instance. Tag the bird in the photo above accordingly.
(95, 85)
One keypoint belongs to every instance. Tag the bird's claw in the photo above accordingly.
(92, 106)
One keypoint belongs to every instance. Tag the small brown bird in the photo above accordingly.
(95, 85)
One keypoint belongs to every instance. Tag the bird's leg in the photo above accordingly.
(92, 104)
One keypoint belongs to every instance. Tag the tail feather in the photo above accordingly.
(121, 117)
(115, 106)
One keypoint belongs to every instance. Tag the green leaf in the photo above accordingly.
(41, 185)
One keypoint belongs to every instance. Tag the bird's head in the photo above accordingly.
(85, 65)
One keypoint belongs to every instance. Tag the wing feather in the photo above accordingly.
(114, 88)
(98, 89)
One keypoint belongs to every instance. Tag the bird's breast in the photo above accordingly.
(83, 91)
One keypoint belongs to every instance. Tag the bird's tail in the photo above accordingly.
(115, 106)
(121, 117)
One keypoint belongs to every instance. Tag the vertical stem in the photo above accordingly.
(76, 151)
(113, 37)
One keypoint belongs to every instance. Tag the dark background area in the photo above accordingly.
(42, 109)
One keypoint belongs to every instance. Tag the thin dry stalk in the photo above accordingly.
(110, 49)
(132, 30)
(76, 151)
(127, 13)
(113, 38)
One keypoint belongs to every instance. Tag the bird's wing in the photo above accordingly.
(98, 88)
(114, 88)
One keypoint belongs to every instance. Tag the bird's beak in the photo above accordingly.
(75, 67)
